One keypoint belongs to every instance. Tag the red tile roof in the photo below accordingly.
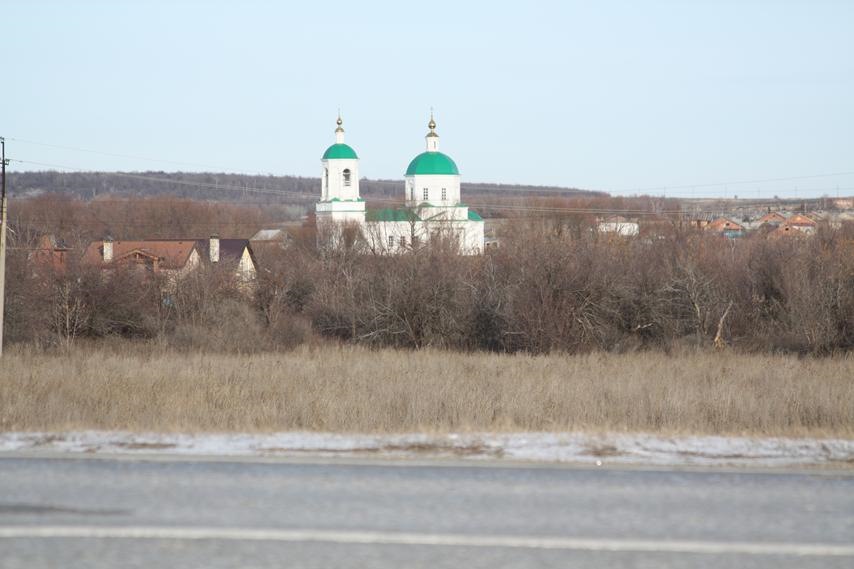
(773, 218)
(799, 219)
(724, 224)
(170, 254)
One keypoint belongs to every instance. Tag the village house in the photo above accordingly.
(618, 225)
(275, 235)
(801, 223)
(786, 230)
(49, 255)
(773, 218)
(174, 258)
(697, 220)
(726, 227)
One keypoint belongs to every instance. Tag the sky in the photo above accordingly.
(677, 98)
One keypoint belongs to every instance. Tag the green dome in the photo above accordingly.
(337, 151)
(432, 163)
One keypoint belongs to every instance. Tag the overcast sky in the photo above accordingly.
(670, 97)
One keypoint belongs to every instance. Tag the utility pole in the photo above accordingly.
(3, 244)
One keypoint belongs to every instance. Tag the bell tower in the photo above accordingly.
(340, 174)
(340, 204)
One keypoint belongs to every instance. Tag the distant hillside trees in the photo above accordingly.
(274, 190)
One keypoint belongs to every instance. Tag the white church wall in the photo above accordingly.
(392, 237)
(396, 237)
(333, 181)
(449, 213)
(473, 241)
(434, 184)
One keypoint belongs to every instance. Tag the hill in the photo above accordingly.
(237, 187)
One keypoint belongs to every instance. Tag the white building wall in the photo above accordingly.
(449, 213)
(333, 182)
(625, 228)
(415, 186)
(396, 237)
(246, 269)
(474, 237)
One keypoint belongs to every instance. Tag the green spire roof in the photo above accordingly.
(432, 163)
(339, 150)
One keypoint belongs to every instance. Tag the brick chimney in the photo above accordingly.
(213, 248)
(108, 249)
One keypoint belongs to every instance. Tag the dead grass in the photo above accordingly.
(349, 389)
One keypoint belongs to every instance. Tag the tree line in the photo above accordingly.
(548, 287)
(243, 188)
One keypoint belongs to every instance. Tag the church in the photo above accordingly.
(432, 207)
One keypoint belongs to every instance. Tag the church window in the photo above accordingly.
(444, 194)
(402, 241)
(346, 176)
(391, 241)
(426, 194)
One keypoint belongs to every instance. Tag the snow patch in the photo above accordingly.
(584, 448)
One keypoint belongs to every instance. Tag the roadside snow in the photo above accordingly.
(639, 449)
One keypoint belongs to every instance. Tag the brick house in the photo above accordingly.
(173, 258)
(726, 227)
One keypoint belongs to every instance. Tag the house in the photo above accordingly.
(801, 223)
(726, 227)
(271, 241)
(773, 218)
(173, 258)
(787, 231)
(697, 220)
(49, 255)
(271, 235)
(237, 254)
(618, 225)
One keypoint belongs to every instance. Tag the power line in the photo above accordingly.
(117, 155)
(738, 182)
(205, 185)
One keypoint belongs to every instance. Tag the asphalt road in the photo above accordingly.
(97, 512)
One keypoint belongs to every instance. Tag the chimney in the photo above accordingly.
(108, 249)
(214, 248)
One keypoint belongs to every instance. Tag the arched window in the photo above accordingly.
(426, 194)
(444, 194)
(346, 176)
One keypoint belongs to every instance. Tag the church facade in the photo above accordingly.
(432, 209)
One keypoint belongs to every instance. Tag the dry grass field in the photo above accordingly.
(350, 389)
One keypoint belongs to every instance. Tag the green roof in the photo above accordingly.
(432, 163)
(389, 214)
(474, 216)
(337, 151)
